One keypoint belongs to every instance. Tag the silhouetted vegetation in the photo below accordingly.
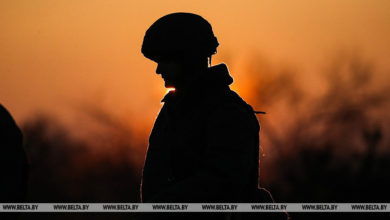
(65, 169)
(332, 146)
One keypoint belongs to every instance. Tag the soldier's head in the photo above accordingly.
(182, 45)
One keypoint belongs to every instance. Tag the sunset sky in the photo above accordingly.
(58, 55)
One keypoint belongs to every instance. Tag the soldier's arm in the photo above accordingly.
(226, 164)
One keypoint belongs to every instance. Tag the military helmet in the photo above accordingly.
(177, 35)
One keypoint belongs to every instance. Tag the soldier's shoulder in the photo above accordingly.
(230, 104)
(231, 100)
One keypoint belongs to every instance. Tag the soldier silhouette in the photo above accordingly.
(204, 146)
(13, 161)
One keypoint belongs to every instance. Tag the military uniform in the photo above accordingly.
(204, 145)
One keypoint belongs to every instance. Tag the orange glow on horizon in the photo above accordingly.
(80, 63)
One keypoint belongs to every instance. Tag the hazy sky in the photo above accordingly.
(57, 55)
